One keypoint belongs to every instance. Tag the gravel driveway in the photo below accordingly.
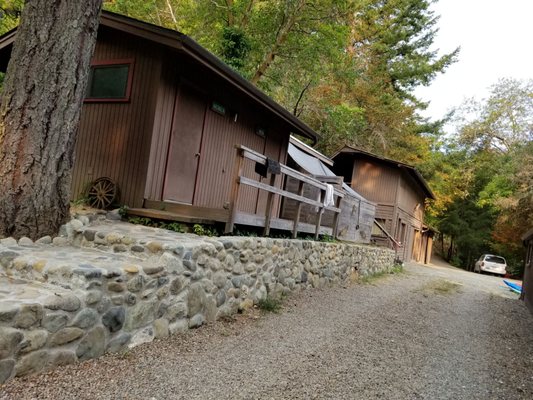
(409, 336)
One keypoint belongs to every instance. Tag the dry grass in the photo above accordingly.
(440, 287)
(373, 278)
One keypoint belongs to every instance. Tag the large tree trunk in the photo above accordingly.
(41, 105)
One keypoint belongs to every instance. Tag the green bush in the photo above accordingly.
(270, 305)
(204, 230)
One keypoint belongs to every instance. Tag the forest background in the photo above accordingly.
(349, 69)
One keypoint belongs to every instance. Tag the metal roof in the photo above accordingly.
(314, 166)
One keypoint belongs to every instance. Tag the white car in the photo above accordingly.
(491, 263)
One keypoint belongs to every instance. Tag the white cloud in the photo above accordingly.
(495, 39)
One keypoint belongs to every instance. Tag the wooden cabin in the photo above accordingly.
(527, 283)
(179, 134)
(357, 213)
(400, 193)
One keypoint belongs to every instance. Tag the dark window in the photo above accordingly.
(110, 81)
(495, 259)
(402, 233)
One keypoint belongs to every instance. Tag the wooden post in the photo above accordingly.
(235, 190)
(298, 210)
(320, 212)
(336, 218)
(269, 202)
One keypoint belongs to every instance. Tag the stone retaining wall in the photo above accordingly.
(99, 290)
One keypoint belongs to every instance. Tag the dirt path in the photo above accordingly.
(410, 336)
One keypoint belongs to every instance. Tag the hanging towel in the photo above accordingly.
(328, 198)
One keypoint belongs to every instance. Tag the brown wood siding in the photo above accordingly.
(385, 212)
(185, 145)
(220, 135)
(114, 138)
(218, 153)
(166, 97)
(375, 182)
(409, 197)
(412, 224)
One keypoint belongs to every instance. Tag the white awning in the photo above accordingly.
(316, 167)
(311, 164)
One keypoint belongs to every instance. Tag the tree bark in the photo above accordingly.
(41, 104)
(450, 250)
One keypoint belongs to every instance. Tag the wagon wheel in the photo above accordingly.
(102, 193)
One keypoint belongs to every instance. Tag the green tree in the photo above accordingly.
(10, 11)
(346, 67)
(389, 55)
(502, 121)
(487, 169)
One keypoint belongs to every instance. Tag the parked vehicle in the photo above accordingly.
(491, 263)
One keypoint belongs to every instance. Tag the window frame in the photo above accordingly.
(130, 62)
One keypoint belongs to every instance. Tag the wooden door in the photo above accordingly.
(185, 143)
(417, 246)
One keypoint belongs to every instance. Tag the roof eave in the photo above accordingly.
(422, 182)
(216, 65)
(410, 169)
(8, 38)
(182, 42)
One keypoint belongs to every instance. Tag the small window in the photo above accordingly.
(110, 81)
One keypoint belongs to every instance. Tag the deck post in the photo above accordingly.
(298, 210)
(320, 212)
(269, 203)
(235, 190)
(336, 218)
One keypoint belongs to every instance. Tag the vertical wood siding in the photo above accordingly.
(114, 138)
(164, 113)
(217, 160)
(397, 196)
(409, 196)
(220, 135)
(377, 183)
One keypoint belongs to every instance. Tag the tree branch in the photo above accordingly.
(283, 31)
(229, 12)
(295, 110)
(172, 16)
(247, 13)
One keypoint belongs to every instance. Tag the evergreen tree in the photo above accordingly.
(41, 105)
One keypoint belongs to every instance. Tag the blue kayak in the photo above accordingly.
(515, 287)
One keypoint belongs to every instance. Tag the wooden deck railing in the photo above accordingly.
(393, 243)
(244, 153)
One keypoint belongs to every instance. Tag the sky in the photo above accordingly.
(495, 37)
